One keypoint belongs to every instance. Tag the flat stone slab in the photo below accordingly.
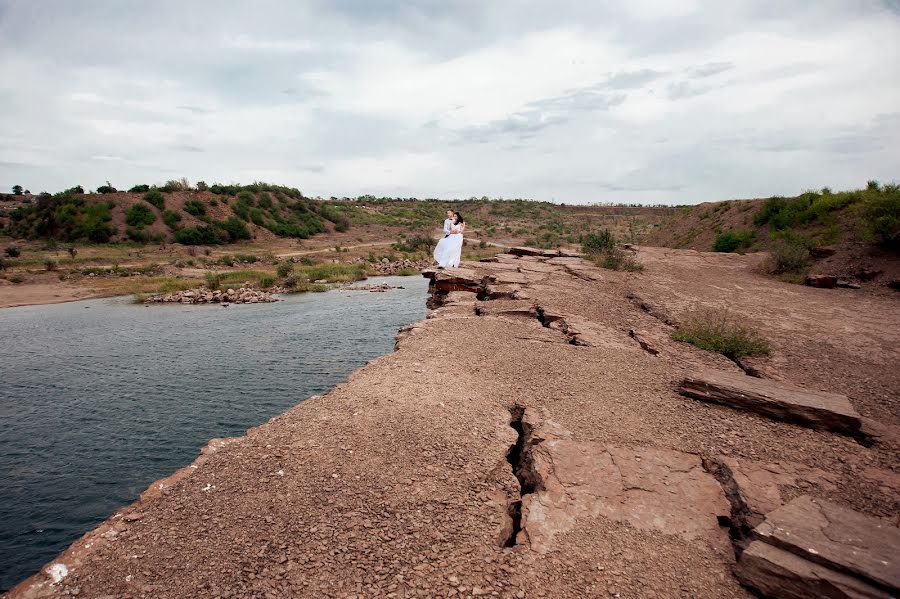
(837, 538)
(761, 484)
(527, 251)
(781, 401)
(649, 488)
(778, 573)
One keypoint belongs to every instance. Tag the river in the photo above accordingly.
(100, 398)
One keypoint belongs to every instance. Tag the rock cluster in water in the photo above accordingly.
(388, 268)
(242, 295)
(376, 288)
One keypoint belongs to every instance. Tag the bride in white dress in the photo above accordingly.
(449, 249)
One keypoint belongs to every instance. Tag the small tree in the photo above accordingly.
(202, 186)
(12, 251)
(17, 190)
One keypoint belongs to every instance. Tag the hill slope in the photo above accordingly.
(854, 234)
(234, 213)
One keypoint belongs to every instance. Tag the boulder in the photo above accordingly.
(824, 281)
(781, 401)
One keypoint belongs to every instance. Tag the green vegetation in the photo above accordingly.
(171, 218)
(417, 243)
(203, 235)
(333, 272)
(154, 197)
(600, 247)
(595, 243)
(788, 258)
(733, 241)
(65, 216)
(284, 269)
(139, 216)
(139, 189)
(717, 330)
(12, 251)
(195, 208)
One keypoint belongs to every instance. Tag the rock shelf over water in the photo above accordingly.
(523, 442)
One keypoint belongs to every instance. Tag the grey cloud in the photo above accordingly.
(684, 89)
(188, 148)
(193, 109)
(709, 69)
(632, 79)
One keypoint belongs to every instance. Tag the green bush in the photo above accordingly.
(266, 282)
(106, 188)
(213, 281)
(417, 243)
(139, 216)
(881, 215)
(615, 258)
(171, 218)
(234, 227)
(717, 330)
(156, 198)
(139, 189)
(50, 263)
(137, 234)
(203, 235)
(732, 241)
(12, 251)
(284, 269)
(202, 186)
(788, 256)
(595, 243)
(195, 208)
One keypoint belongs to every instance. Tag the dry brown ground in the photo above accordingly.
(395, 484)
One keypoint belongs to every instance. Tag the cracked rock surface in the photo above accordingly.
(401, 482)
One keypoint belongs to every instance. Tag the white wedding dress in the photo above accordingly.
(449, 249)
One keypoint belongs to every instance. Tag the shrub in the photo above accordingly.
(213, 281)
(139, 189)
(12, 251)
(202, 186)
(246, 258)
(78, 189)
(72, 251)
(717, 330)
(17, 190)
(171, 218)
(137, 234)
(417, 243)
(107, 188)
(731, 241)
(226, 260)
(615, 258)
(881, 215)
(234, 227)
(195, 207)
(16, 279)
(595, 243)
(788, 256)
(50, 263)
(284, 269)
(156, 198)
(179, 185)
(266, 282)
(203, 235)
(139, 216)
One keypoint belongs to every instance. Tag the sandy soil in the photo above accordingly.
(398, 484)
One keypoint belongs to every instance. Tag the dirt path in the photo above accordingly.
(523, 445)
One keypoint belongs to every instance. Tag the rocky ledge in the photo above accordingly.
(388, 268)
(241, 295)
(523, 442)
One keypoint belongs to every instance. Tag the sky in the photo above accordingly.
(651, 101)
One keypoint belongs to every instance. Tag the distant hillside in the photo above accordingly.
(220, 214)
(851, 234)
(823, 218)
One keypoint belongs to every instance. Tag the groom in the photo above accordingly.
(448, 222)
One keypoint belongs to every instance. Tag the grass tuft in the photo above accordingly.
(719, 331)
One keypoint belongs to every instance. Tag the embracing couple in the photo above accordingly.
(449, 249)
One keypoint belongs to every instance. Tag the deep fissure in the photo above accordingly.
(521, 462)
(738, 522)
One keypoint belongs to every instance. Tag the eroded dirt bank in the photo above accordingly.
(524, 441)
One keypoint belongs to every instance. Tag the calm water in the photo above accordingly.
(100, 398)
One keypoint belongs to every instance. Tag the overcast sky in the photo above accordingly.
(675, 101)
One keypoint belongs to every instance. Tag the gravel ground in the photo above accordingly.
(397, 484)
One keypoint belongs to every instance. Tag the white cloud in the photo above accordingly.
(648, 100)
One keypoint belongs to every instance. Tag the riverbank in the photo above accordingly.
(524, 441)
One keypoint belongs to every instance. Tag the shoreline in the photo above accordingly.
(521, 441)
